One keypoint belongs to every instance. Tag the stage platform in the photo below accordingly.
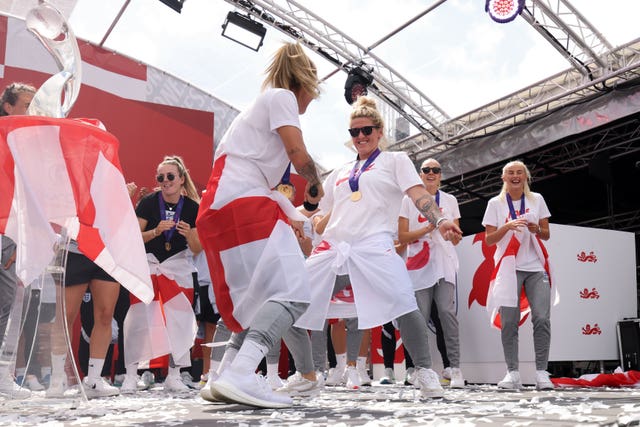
(378, 405)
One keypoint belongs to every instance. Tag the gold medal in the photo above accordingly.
(167, 246)
(355, 196)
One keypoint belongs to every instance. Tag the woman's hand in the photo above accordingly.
(183, 228)
(516, 224)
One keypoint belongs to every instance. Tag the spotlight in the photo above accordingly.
(242, 29)
(174, 4)
(356, 85)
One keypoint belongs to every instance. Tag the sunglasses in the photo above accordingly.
(170, 177)
(427, 169)
(366, 130)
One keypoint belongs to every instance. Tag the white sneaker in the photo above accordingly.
(275, 381)
(11, 390)
(336, 376)
(132, 383)
(365, 379)
(410, 377)
(543, 382)
(511, 381)
(353, 378)
(249, 389)
(205, 391)
(389, 376)
(98, 388)
(446, 373)
(428, 382)
(57, 386)
(31, 382)
(457, 380)
(118, 379)
(187, 379)
(174, 384)
(297, 385)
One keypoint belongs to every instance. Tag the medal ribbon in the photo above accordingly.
(286, 178)
(512, 210)
(355, 173)
(438, 198)
(163, 216)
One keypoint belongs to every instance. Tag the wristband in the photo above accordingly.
(155, 232)
(440, 221)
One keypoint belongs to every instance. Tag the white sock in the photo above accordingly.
(132, 369)
(249, 356)
(174, 372)
(341, 360)
(361, 363)
(57, 364)
(95, 368)
(272, 369)
(20, 372)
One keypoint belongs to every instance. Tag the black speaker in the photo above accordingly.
(629, 344)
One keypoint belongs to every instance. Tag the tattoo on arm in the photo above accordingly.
(428, 208)
(309, 172)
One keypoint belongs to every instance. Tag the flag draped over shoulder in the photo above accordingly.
(67, 172)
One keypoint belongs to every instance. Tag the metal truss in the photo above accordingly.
(596, 67)
(344, 52)
(620, 139)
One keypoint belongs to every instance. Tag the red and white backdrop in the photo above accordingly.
(595, 275)
(150, 112)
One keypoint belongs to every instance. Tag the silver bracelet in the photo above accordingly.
(440, 221)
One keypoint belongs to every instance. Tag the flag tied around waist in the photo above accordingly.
(67, 173)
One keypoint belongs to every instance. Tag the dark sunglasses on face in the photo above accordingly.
(427, 169)
(170, 177)
(366, 130)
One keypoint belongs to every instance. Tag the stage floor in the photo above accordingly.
(378, 405)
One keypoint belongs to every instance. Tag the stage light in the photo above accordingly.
(356, 85)
(242, 29)
(174, 4)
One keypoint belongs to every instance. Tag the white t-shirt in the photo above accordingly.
(254, 156)
(497, 214)
(443, 260)
(382, 185)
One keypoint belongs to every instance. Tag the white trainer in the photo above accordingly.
(297, 385)
(446, 373)
(174, 384)
(98, 388)
(205, 391)
(11, 390)
(429, 383)
(511, 381)
(543, 382)
(275, 381)
(353, 378)
(336, 376)
(31, 382)
(389, 376)
(365, 379)
(132, 383)
(410, 377)
(457, 380)
(249, 389)
(57, 386)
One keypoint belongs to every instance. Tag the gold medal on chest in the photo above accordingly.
(167, 246)
(355, 196)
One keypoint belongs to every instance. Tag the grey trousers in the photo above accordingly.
(536, 285)
(8, 284)
(444, 295)
(274, 321)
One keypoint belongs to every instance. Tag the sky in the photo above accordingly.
(455, 55)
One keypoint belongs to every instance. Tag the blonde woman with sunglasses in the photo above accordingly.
(363, 197)
(167, 220)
